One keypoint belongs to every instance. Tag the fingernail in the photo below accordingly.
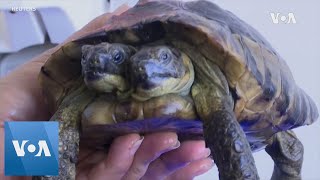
(136, 145)
(176, 145)
(207, 152)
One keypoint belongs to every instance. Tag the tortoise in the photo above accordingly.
(242, 94)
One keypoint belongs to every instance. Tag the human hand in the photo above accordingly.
(156, 156)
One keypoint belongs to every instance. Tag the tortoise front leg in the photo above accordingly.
(223, 134)
(69, 116)
(68, 152)
(231, 151)
(287, 153)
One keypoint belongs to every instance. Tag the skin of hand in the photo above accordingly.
(154, 156)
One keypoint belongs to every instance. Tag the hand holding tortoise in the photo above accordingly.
(130, 156)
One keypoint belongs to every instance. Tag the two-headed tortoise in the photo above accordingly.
(190, 63)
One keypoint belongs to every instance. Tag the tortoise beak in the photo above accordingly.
(148, 73)
(94, 68)
(142, 73)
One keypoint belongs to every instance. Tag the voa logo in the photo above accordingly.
(278, 18)
(31, 148)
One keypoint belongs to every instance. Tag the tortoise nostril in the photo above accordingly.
(141, 69)
(95, 63)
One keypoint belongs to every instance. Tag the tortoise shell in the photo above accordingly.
(267, 99)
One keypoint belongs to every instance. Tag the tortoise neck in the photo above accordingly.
(186, 82)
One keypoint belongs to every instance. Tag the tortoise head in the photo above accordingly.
(103, 66)
(159, 70)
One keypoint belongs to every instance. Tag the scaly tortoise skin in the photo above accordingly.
(243, 91)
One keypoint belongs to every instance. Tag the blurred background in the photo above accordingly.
(291, 26)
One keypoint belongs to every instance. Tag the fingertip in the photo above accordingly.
(189, 151)
(193, 169)
(153, 146)
(204, 166)
(126, 140)
(136, 145)
(163, 139)
(195, 150)
(119, 158)
(124, 147)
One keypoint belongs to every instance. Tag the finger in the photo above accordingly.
(88, 158)
(21, 94)
(169, 162)
(86, 152)
(192, 170)
(118, 161)
(152, 147)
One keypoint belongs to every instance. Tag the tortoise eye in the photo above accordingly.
(83, 59)
(118, 57)
(164, 57)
